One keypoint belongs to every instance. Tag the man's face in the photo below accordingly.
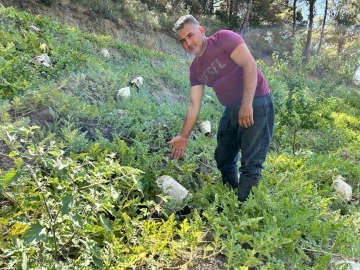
(192, 39)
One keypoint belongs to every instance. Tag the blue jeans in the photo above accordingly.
(253, 144)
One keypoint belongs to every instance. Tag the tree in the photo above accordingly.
(201, 7)
(229, 12)
(269, 12)
(340, 57)
(345, 17)
(296, 16)
(294, 19)
(310, 29)
(323, 26)
(246, 20)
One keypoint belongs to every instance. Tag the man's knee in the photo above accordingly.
(251, 168)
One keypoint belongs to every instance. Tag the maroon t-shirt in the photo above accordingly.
(216, 69)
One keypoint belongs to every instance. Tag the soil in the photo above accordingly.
(5, 162)
(78, 16)
(75, 15)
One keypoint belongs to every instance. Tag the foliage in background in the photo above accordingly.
(268, 30)
(80, 189)
(268, 26)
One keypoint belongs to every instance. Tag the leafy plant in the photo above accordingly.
(80, 190)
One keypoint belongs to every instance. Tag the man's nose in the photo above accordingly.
(188, 42)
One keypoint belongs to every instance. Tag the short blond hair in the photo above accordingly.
(182, 21)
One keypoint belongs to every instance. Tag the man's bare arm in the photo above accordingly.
(242, 57)
(192, 114)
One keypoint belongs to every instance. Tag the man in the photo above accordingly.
(223, 62)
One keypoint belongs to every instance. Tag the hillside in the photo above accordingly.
(73, 14)
(79, 163)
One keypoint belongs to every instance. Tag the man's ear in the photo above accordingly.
(202, 30)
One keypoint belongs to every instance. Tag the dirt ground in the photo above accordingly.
(75, 15)
(5, 162)
(78, 16)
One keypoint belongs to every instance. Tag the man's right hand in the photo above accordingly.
(179, 146)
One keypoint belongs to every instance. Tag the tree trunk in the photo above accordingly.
(212, 7)
(341, 46)
(309, 33)
(174, 4)
(294, 19)
(246, 20)
(323, 27)
(230, 12)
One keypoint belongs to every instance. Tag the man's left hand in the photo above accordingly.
(246, 116)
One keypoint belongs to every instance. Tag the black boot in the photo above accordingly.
(231, 178)
(245, 186)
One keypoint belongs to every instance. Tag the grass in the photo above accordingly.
(77, 180)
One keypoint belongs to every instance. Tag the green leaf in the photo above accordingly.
(35, 233)
(77, 220)
(140, 186)
(97, 262)
(55, 153)
(11, 177)
(106, 223)
(96, 252)
(24, 261)
(113, 193)
(67, 202)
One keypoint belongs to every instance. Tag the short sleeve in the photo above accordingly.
(228, 40)
(193, 80)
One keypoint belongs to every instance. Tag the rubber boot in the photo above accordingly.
(230, 178)
(245, 186)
